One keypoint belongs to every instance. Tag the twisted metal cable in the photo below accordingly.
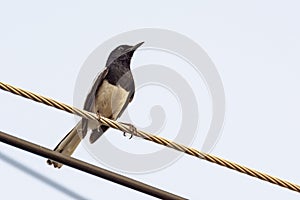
(159, 140)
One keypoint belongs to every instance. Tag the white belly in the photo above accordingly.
(110, 100)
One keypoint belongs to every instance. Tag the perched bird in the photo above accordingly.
(112, 91)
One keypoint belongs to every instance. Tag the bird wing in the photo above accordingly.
(90, 99)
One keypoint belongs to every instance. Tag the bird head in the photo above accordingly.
(122, 52)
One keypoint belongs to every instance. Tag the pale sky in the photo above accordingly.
(253, 44)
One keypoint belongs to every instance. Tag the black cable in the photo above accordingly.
(86, 167)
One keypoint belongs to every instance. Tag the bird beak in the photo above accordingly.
(136, 46)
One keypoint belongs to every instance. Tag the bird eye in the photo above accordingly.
(121, 48)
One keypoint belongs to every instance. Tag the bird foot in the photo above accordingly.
(132, 130)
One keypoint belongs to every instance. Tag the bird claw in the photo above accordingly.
(98, 115)
(131, 135)
(132, 130)
(124, 133)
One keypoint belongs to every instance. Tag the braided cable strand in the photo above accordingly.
(159, 140)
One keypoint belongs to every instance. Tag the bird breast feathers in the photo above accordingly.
(110, 100)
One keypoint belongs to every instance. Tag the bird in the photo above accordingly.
(109, 96)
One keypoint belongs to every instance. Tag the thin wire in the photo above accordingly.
(159, 140)
(86, 167)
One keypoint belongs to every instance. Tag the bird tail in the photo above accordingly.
(67, 145)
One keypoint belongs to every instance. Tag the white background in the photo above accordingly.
(254, 45)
